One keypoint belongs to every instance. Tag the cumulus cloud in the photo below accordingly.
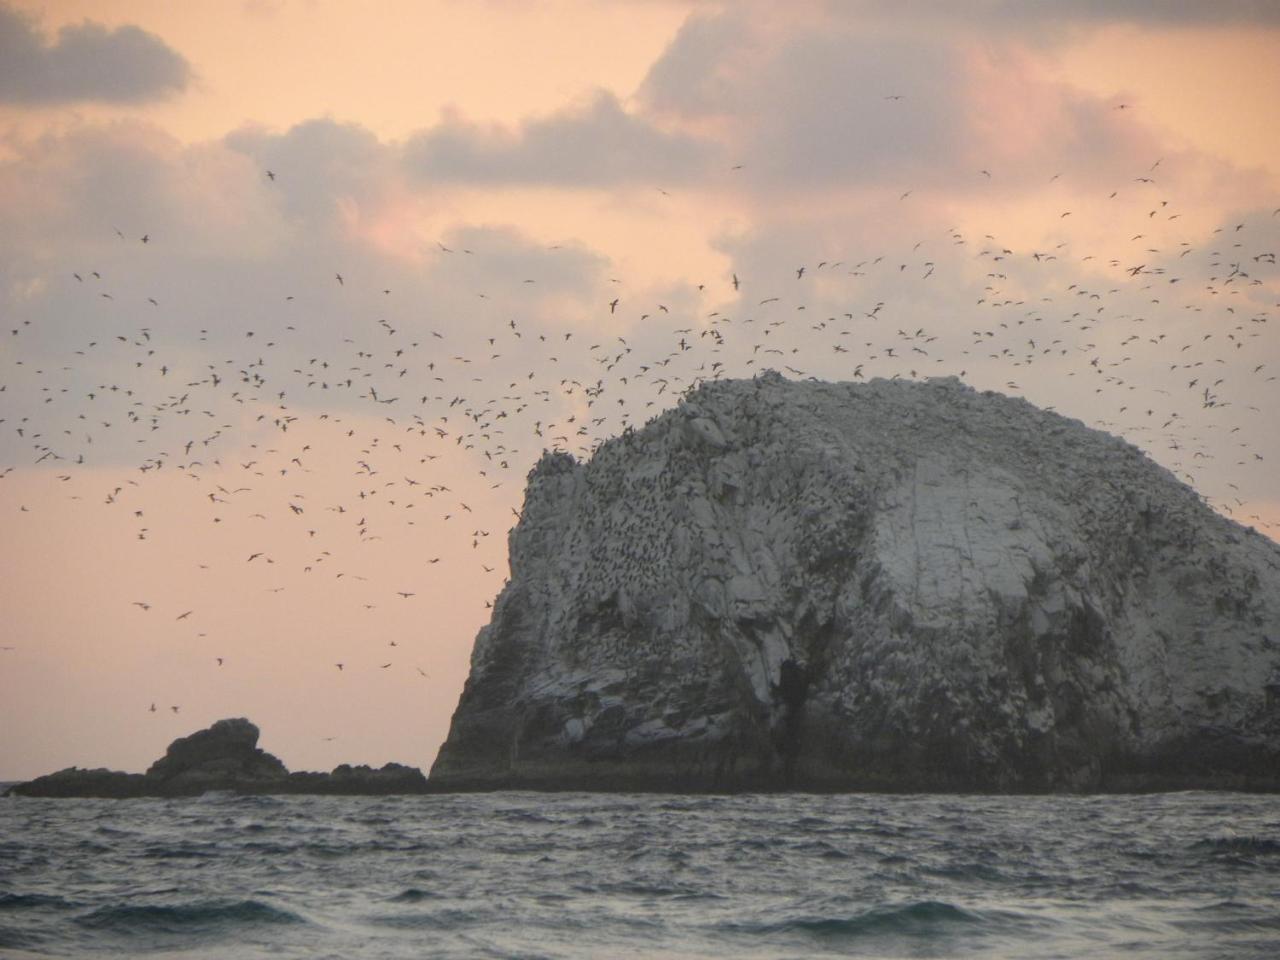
(816, 108)
(826, 102)
(595, 144)
(87, 62)
(833, 101)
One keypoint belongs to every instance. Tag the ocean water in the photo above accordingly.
(585, 875)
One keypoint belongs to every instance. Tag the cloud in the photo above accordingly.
(508, 258)
(1169, 12)
(822, 101)
(237, 265)
(702, 69)
(834, 102)
(87, 62)
(72, 191)
(596, 144)
(322, 167)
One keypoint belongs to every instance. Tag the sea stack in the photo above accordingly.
(889, 586)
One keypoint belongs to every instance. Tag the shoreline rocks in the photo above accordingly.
(223, 757)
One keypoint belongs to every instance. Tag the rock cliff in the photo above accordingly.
(891, 585)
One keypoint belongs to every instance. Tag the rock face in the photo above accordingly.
(226, 756)
(891, 585)
(217, 758)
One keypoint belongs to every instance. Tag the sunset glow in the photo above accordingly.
(315, 283)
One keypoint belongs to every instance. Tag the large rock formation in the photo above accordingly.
(891, 585)
(223, 757)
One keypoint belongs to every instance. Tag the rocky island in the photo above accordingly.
(889, 585)
(225, 756)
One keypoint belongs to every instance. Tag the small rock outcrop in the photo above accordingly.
(223, 757)
(226, 753)
(891, 585)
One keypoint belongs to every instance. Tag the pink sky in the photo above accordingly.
(992, 179)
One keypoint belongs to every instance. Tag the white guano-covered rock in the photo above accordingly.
(890, 585)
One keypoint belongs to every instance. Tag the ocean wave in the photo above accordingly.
(329, 851)
(269, 847)
(522, 816)
(200, 916)
(414, 895)
(16, 940)
(983, 872)
(822, 848)
(1231, 916)
(107, 831)
(181, 853)
(925, 918)
(639, 888)
(28, 901)
(1264, 845)
(453, 918)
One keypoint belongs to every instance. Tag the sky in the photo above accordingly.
(294, 293)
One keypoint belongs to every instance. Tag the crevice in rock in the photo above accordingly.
(792, 689)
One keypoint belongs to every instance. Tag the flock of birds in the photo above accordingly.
(1165, 342)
